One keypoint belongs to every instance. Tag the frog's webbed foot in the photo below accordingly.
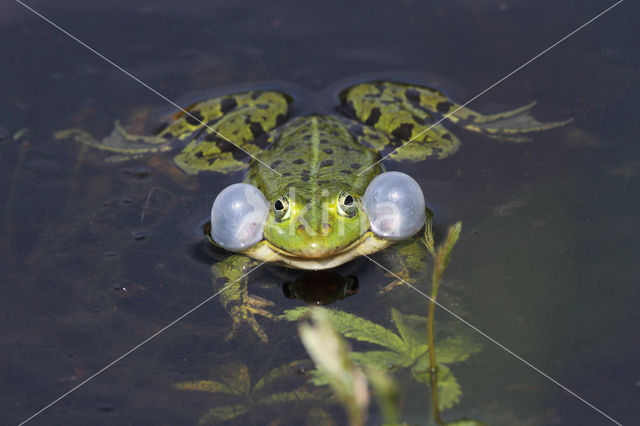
(241, 306)
(246, 315)
(123, 145)
(258, 304)
(406, 114)
(506, 126)
(220, 133)
(398, 279)
(255, 306)
(408, 260)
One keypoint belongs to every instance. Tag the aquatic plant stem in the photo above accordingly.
(433, 368)
(442, 257)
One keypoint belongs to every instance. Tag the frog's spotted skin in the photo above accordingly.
(385, 116)
(243, 118)
(310, 152)
(318, 159)
(404, 112)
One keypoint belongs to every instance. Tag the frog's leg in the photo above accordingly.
(239, 304)
(392, 121)
(246, 119)
(409, 257)
(406, 112)
(219, 131)
(125, 146)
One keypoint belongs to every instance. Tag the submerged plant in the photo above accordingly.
(234, 380)
(408, 348)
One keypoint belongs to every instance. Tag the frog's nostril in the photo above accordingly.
(326, 227)
(301, 228)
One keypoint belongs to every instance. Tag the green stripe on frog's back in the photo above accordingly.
(313, 153)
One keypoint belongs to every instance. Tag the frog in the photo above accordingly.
(316, 193)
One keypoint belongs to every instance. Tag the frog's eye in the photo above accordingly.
(238, 216)
(395, 206)
(346, 204)
(281, 209)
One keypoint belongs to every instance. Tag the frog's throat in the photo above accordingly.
(367, 244)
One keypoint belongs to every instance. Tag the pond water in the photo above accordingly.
(98, 256)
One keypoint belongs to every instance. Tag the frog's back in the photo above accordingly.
(312, 153)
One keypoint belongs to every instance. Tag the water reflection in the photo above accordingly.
(321, 287)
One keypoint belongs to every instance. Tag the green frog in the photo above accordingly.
(315, 193)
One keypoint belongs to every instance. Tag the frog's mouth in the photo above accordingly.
(368, 243)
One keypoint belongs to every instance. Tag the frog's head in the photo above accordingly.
(317, 224)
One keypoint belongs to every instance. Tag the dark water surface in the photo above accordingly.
(548, 262)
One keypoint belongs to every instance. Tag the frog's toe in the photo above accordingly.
(258, 330)
(487, 118)
(245, 314)
(510, 125)
(257, 306)
(234, 329)
(399, 279)
(262, 312)
(251, 321)
(125, 145)
(387, 288)
(258, 302)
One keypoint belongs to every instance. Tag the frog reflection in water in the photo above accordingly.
(318, 197)
(321, 287)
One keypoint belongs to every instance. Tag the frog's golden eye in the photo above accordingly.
(347, 204)
(281, 209)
